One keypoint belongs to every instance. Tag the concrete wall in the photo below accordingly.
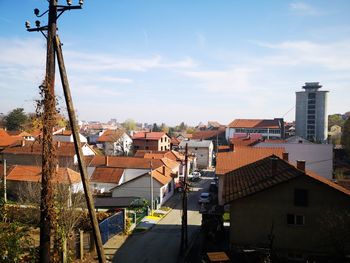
(204, 156)
(318, 157)
(252, 217)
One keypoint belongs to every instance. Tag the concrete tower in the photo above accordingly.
(311, 119)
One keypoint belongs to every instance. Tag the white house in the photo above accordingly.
(202, 149)
(67, 136)
(115, 142)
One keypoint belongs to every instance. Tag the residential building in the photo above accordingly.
(217, 136)
(269, 129)
(299, 213)
(202, 149)
(18, 176)
(159, 181)
(318, 157)
(311, 119)
(115, 142)
(30, 153)
(240, 156)
(155, 141)
(67, 136)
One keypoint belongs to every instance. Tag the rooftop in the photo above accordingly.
(264, 174)
(255, 123)
(148, 135)
(229, 161)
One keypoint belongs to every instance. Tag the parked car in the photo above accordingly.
(195, 176)
(204, 198)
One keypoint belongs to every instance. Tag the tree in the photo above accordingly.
(335, 119)
(164, 128)
(156, 128)
(345, 138)
(16, 120)
(129, 125)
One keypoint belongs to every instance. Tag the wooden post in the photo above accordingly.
(64, 251)
(79, 152)
(81, 244)
(5, 186)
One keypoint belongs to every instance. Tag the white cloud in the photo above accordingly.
(302, 8)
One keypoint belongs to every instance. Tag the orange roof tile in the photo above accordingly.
(9, 140)
(228, 161)
(258, 176)
(160, 176)
(246, 141)
(110, 136)
(206, 134)
(33, 174)
(107, 175)
(35, 147)
(254, 123)
(148, 135)
(124, 162)
(3, 133)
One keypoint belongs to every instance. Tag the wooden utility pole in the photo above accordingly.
(184, 236)
(77, 144)
(49, 155)
(5, 187)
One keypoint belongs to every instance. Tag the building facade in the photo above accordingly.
(311, 121)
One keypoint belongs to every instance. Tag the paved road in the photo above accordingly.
(162, 242)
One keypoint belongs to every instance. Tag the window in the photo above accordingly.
(161, 148)
(196, 149)
(297, 220)
(146, 147)
(300, 197)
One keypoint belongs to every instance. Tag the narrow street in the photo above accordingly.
(162, 242)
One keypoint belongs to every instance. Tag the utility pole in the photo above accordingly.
(5, 188)
(79, 152)
(49, 159)
(151, 186)
(184, 236)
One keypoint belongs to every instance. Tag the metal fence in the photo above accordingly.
(111, 226)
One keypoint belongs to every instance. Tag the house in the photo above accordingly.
(23, 134)
(115, 142)
(241, 156)
(174, 156)
(67, 136)
(298, 213)
(20, 175)
(217, 136)
(155, 141)
(202, 149)
(30, 153)
(174, 143)
(106, 172)
(268, 128)
(159, 181)
(318, 157)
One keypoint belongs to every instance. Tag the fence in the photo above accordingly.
(111, 226)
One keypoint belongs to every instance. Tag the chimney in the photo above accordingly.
(285, 156)
(301, 165)
(57, 166)
(58, 144)
(273, 165)
(232, 147)
(163, 169)
(106, 160)
(23, 143)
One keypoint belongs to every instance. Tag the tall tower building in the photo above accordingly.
(311, 119)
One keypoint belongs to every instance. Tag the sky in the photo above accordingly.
(180, 60)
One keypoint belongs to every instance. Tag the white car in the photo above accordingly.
(204, 198)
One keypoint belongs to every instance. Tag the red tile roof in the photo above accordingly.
(254, 123)
(107, 175)
(206, 134)
(229, 161)
(9, 140)
(264, 174)
(33, 174)
(18, 133)
(124, 162)
(162, 178)
(35, 147)
(148, 135)
(110, 136)
(173, 155)
(3, 133)
(244, 141)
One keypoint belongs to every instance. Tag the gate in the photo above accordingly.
(111, 226)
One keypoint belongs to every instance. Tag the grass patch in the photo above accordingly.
(226, 217)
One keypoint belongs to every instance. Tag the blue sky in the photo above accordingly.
(172, 61)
